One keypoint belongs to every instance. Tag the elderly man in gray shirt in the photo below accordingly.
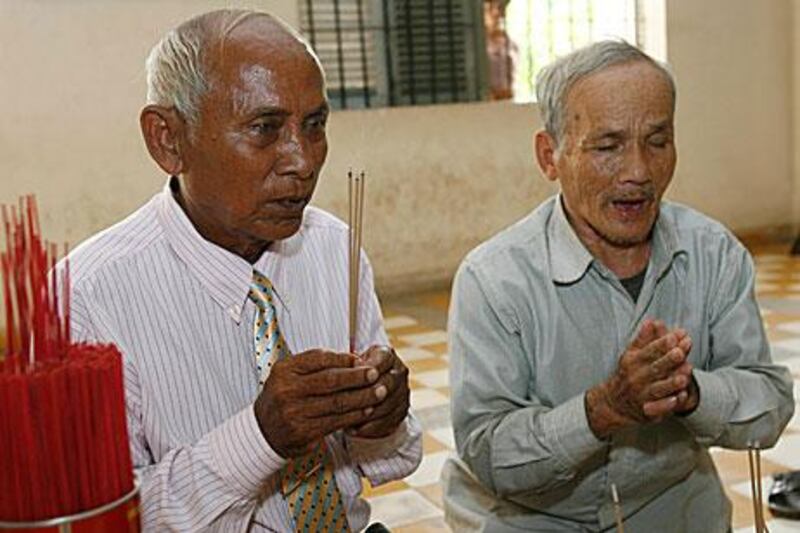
(605, 341)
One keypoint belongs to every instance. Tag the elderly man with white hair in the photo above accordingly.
(212, 286)
(600, 345)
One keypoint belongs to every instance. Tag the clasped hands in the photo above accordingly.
(653, 380)
(317, 392)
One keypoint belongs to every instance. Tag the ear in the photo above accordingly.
(163, 130)
(545, 148)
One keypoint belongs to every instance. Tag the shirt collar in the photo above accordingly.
(225, 276)
(569, 258)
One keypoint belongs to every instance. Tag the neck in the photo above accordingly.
(624, 260)
(248, 250)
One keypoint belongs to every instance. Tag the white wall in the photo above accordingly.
(442, 178)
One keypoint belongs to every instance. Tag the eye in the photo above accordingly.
(606, 147)
(266, 127)
(658, 141)
(315, 125)
(317, 122)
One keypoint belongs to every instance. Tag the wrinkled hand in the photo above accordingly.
(394, 408)
(312, 394)
(653, 380)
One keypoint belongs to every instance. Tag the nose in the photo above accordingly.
(296, 154)
(636, 169)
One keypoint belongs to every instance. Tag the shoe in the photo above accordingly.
(784, 496)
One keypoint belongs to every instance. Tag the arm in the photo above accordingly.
(397, 455)
(509, 439)
(744, 397)
(212, 482)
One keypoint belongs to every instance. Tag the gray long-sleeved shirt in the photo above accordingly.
(535, 322)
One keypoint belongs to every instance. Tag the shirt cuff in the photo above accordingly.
(572, 438)
(707, 421)
(362, 448)
(241, 453)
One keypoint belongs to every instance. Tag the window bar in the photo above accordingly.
(451, 48)
(432, 43)
(571, 25)
(507, 53)
(387, 39)
(339, 54)
(529, 37)
(550, 33)
(410, 44)
(311, 30)
(363, 43)
(476, 50)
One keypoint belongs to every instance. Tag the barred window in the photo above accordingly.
(542, 30)
(398, 52)
(406, 52)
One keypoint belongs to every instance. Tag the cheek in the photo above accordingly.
(605, 167)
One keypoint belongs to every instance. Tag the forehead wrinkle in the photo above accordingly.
(254, 88)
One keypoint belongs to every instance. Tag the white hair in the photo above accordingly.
(177, 68)
(554, 81)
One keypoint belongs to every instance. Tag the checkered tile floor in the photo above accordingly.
(416, 326)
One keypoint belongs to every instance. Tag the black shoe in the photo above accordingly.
(784, 496)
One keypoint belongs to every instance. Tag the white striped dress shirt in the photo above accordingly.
(176, 305)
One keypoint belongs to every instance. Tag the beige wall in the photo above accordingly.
(733, 61)
(441, 178)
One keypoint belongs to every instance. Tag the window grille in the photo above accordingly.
(398, 52)
(545, 29)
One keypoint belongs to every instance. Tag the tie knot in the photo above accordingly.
(261, 290)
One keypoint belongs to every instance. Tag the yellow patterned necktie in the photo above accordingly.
(307, 482)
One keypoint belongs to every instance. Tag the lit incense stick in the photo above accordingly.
(754, 462)
(617, 509)
(355, 196)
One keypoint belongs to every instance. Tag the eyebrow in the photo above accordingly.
(664, 125)
(273, 111)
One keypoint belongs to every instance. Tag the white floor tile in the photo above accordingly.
(434, 378)
(794, 422)
(445, 436)
(424, 339)
(429, 471)
(794, 366)
(401, 508)
(789, 327)
(414, 354)
(424, 398)
(398, 321)
(743, 487)
(786, 452)
(775, 525)
(792, 345)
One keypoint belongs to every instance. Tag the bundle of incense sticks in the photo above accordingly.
(754, 462)
(356, 184)
(63, 435)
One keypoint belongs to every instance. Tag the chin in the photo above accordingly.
(279, 232)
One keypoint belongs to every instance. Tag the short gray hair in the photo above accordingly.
(554, 81)
(176, 67)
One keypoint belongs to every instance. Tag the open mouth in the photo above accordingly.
(289, 207)
(630, 207)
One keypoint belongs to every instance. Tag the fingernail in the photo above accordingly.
(380, 392)
(372, 375)
(368, 411)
